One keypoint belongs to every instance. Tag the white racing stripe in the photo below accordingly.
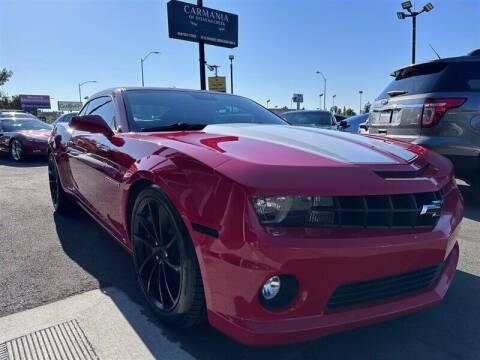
(335, 145)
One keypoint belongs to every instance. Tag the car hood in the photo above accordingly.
(37, 134)
(325, 145)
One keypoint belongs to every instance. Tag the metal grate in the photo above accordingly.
(63, 341)
(389, 287)
(381, 211)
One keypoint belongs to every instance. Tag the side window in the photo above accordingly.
(107, 112)
(84, 110)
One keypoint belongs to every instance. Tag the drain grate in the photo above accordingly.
(62, 341)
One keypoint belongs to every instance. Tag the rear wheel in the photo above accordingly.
(60, 201)
(16, 150)
(165, 260)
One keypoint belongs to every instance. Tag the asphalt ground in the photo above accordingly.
(45, 257)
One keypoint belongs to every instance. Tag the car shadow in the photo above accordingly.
(449, 330)
(27, 163)
(472, 208)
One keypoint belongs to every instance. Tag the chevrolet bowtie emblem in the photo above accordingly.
(432, 209)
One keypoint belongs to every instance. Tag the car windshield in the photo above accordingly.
(24, 124)
(16, 115)
(149, 109)
(318, 118)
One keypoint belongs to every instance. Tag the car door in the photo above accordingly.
(97, 174)
(3, 140)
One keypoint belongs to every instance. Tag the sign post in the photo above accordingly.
(202, 25)
(297, 98)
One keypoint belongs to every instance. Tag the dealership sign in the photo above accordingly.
(35, 101)
(201, 24)
(297, 98)
(217, 83)
(69, 105)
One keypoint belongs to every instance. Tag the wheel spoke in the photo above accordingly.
(172, 266)
(144, 223)
(166, 284)
(143, 241)
(154, 226)
(147, 259)
(151, 275)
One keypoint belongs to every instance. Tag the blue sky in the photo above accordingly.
(51, 46)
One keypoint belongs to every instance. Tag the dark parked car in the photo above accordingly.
(273, 233)
(339, 118)
(65, 118)
(353, 123)
(312, 118)
(23, 134)
(436, 104)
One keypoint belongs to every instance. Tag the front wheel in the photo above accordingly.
(165, 260)
(16, 150)
(60, 201)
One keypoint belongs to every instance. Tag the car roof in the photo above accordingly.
(473, 56)
(305, 111)
(116, 90)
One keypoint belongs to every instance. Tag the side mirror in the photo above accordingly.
(363, 126)
(91, 123)
(343, 124)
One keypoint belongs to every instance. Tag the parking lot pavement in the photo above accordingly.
(45, 258)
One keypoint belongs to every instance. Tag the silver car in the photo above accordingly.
(436, 104)
(314, 118)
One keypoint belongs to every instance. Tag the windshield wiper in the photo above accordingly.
(393, 93)
(177, 126)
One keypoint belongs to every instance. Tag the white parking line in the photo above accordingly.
(113, 325)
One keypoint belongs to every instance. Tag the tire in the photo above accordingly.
(165, 261)
(16, 150)
(60, 200)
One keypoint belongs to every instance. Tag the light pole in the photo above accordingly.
(360, 92)
(231, 73)
(268, 100)
(80, 87)
(213, 68)
(324, 89)
(407, 5)
(333, 100)
(142, 60)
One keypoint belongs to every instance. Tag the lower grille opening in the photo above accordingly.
(365, 292)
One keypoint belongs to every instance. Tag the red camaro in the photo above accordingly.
(22, 134)
(273, 233)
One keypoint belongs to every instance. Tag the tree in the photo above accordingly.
(366, 107)
(335, 109)
(5, 75)
(349, 112)
(10, 103)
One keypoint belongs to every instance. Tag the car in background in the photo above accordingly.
(436, 104)
(15, 114)
(274, 233)
(313, 118)
(22, 135)
(65, 118)
(353, 123)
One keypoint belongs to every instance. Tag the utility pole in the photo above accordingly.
(201, 57)
(360, 110)
(231, 73)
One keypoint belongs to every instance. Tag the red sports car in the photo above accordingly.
(22, 134)
(273, 233)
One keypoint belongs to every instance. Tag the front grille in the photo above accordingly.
(384, 211)
(389, 287)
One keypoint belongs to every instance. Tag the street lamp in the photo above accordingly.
(324, 89)
(320, 96)
(268, 100)
(142, 60)
(231, 73)
(80, 87)
(360, 92)
(333, 99)
(407, 5)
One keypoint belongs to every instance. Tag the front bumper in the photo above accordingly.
(236, 264)
(36, 148)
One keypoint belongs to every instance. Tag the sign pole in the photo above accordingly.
(201, 57)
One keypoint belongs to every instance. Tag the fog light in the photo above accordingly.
(271, 288)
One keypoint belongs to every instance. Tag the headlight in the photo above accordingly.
(295, 210)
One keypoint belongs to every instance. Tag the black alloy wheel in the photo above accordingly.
(60, 201)
(165, 260)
